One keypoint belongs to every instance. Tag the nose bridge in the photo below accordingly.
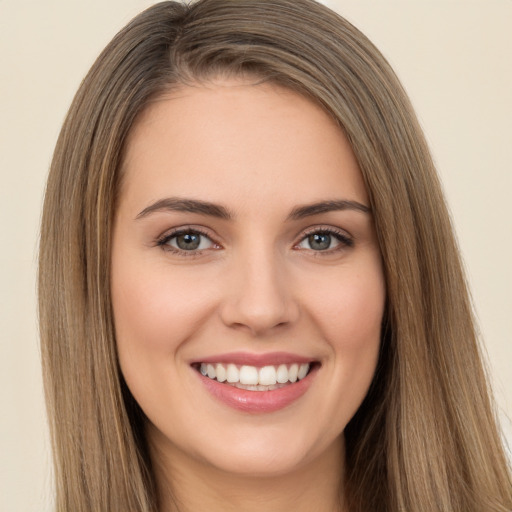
(260, 297)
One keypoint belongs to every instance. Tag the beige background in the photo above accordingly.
(455, 59)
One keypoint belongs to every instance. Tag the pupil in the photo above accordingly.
(320, 241)
(188, 241)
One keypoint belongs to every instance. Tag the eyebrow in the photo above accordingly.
(327, 206)
(186, 205)
(218, 211)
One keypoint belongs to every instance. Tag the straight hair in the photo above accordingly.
(425, 437)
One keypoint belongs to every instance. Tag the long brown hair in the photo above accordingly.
(425, 438)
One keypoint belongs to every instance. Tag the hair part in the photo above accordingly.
(425, 437)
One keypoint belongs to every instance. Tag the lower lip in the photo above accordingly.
(258, 401)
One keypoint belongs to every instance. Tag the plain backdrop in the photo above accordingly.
(454, 58)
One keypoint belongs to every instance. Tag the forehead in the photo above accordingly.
(233, 141)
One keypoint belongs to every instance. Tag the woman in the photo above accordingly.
(250, 293)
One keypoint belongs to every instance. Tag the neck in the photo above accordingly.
(185, 484)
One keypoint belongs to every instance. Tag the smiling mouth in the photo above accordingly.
(253, 378)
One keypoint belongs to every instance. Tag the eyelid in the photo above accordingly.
(162, 240)
(346, 240)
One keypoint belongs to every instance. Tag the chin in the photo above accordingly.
(252, 461)
(268, 452)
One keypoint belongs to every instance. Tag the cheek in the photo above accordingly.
(349, 317)
(154, 310)
(350, 312)
(155, 313)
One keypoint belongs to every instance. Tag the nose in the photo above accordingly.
(259, 295)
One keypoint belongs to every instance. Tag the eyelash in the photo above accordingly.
(163, 241)
(344, 240)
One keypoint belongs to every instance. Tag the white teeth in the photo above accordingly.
(248, 375)
(293, 372)
(210, 371)
(282, 374)
(303, 371)
(221, 373)
(252, 377)
(267, 376)
(232, 373)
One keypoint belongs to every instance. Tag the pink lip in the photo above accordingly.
(258, 360)
(258, 401)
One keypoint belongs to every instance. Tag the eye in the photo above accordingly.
(187, 240)
(325, 240)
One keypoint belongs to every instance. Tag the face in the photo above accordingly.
(247, 284)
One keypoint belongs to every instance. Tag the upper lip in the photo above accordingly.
(252, 359)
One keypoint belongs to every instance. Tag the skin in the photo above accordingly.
(256, 285)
